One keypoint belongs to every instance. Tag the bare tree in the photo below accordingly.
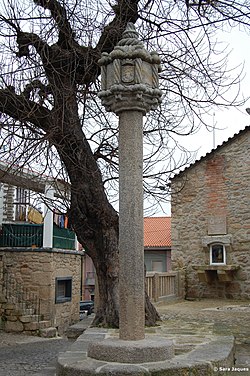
(52, 118)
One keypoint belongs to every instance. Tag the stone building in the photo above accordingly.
(157, 244)
(40, 291)
(41, 265)
(211, 222)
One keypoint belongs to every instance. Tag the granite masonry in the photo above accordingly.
(40, 290)
(211, 222)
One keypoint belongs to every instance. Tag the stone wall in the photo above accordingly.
(36, 270)
(210, 204)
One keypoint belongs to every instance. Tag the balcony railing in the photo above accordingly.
(63, 238)
(31, 235)
(21, 235)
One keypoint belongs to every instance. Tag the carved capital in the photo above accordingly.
(130, 76)
(136, 97)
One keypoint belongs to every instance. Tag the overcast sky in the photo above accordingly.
(227, 121)
(231, 120)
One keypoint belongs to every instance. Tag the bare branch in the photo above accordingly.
(19, 108)
(58, 12)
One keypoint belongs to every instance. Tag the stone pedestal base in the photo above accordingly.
(213, 354)
(150, 349)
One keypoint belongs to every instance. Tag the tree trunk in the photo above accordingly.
(107, 308)
(94, 220)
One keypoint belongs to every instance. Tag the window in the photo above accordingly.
(157, 266)
(63, 289)
(217, 254)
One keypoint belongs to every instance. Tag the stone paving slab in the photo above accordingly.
(214, 316)
(211, 315)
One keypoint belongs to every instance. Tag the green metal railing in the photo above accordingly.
(63, 238)
(31, 235)
(21, 235)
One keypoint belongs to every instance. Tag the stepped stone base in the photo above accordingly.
(150, 349)
(48, 332)
(74, 331)
(206, 358)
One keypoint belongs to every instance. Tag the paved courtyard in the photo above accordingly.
(211, 316)
(22, 355)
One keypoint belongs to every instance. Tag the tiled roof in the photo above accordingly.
(157, 232)
(230, 139)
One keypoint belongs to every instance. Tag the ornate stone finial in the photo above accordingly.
(130, 75)
(130, 31)
(130, 36)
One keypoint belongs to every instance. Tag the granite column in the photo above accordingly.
(131, 251)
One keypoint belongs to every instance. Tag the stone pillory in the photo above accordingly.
(130, 89)
(130, 76)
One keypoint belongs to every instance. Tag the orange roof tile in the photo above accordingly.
(157, 232)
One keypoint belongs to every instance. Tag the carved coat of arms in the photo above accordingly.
(128, 72)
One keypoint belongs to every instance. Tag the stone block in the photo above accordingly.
(25, 319)
(11, 312)
(48, 332)
(2, 298)
(202, 275)
(31, 326)
(44, 324)
(124, 369)
(11, 318)
(13, 326)
(217, 225)
(224, 276)
(9, 306)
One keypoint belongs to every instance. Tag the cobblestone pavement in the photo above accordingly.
(22, 355)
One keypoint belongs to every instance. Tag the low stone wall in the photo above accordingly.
(36, 271)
